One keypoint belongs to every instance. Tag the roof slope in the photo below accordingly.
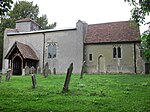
(26, 51)
(124, 31)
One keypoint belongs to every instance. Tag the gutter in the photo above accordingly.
(135, 70)
(43, 49)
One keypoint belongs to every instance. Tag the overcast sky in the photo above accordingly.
(67, 12)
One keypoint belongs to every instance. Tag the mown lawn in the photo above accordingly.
(93, 93)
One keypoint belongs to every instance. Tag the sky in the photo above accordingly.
(66, 13)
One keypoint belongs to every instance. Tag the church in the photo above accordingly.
(106, 48)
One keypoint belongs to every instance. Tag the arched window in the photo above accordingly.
(119, 52)
(114, 52)
(52, 50)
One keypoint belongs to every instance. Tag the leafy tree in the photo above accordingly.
(43, 21)
(141, 9)
(5, 5)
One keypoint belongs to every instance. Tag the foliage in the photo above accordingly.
(94, 93)
(24, 9)
(139, 12)
(43, 21)
(5, 6)
(146, 45)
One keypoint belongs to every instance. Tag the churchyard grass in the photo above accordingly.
(93, 93)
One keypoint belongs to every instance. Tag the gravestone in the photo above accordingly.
(49, 71)
(27, 70)
(33, 81)
(54, 70)
(8, 75)
(32, 70)
(68, 76)
(82, 70)
(38, 70)
(46, 70)
(0, 78)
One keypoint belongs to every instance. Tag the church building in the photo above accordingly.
(106, 48)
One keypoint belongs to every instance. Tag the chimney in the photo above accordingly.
(26, 25)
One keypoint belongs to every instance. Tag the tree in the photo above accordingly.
(141, 9)
(5, 6)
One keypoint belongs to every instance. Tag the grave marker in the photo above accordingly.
(68, 76)
(54, 70)
(27, 70)
(32, 70)
(33, 81)
(82, 70)
(8, 75)
(46, 70)
(38, 70)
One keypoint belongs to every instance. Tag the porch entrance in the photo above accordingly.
(19, 56)
(17, 66)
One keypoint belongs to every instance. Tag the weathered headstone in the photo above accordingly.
(49, 71)
(0, 78)
(27, 70)
(38, 70)
(68, 76)
(54, 70)
(8, 75)
(46, 70)
(33, 81)
(32, 70)
(82, 70)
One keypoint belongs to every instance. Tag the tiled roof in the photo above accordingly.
(26, 51)
(26, 20)
(124, 31)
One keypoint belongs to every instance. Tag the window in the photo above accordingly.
(52, 50)
(117, 52)
(114, 52)
(90, 57)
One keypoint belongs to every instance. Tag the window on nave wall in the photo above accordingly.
(52, 49)
(117, 52)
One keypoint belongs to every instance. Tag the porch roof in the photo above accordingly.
(26, 51)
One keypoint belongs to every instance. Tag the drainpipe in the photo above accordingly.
(135, 71)
(43, 49)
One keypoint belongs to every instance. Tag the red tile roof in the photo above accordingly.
(124, 31)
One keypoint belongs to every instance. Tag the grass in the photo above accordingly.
(93, 93)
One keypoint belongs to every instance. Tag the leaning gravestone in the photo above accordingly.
(27, 70)
(0, 78)
(33, 81)
(82, 70)
(8, 75)
(68, 76)
(46, 70)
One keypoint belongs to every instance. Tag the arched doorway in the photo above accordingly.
(17, 65)
(101, 64)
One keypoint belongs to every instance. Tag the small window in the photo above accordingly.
(90, 57)
(52, 50)
(117, 52)
(114, 52)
